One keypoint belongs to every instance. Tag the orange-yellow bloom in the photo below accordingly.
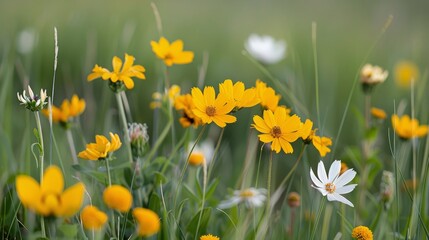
(148, 221)
(212, 109)
(171, 53)
(92, 218)
(185, 103)
(322, 145)
(101, 148)
(378, 113)
(267, 96)
(209, 237)
(407, 128)
(278, 128)
(362, 233)
(118, 198)
(68, 110)
(238, 94)
(405, 72)
(49, 197)
(123, 75)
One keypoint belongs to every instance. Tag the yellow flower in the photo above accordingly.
(407, 128)
(267, 96)
(211, 109)
(196, 158)
(92, 218)
(48, 198)
(378, 113)
(209, 237)
(362, 233)
(322, 145)
(148, 221)
(101, 148)
(118, 198)
(123, 75)
(185, 103)
(307, 131)
(278, 128)
(68, 110)
(171, 53)
(406, 71)
(238, 94)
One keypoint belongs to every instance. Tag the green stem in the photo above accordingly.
(125, 126)
(270, 169)
(71, 145)
(319, 213)
(41, 161)
(293, 167)
(106, 161)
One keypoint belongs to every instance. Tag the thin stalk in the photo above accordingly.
(41, 161)
(71, 145)
(203, 198)
(319, 213)
(259, 165)
(367, 110)
(270, 169)
(125, 126)
(294, 166)
(109, 177)
(316, 69)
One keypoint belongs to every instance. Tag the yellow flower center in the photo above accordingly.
(276, 132)
(246, 194)
(330, 187)
(210, 111)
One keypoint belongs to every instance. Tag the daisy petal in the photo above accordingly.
(315, 180)
(345, 189)
(339, 198)
(345, 178)
(321, 172)
(334, 170)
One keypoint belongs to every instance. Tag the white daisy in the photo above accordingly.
(373, 75)
(265, 48)
(333, 184)
(251, 197)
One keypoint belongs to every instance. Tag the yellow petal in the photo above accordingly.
(71, 200)
(53, 181)
(28, 191)
(117, 64)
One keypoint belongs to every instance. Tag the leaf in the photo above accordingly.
(193, 224)
(160, 178)
(68, 230)
(155, 202)
(371, 134)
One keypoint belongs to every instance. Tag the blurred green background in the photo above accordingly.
(92, 32)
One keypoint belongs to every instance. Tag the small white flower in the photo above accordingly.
(32, 101)
(251, 197)
(265, 48)
(333, 184)
(372, 75)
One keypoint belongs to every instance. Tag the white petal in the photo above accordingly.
(321, 173)
(321, 190)
(334, 170)
(345, 189)
(30, 92)
(229, 203)
(315, 180)
(345, 178)
(339, 198)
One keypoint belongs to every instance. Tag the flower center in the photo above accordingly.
(210, 110)
(276, 132)
(330, 187)
(246, 194)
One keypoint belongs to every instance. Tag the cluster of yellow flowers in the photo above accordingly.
(68, 110)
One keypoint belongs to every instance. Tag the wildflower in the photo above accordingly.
(148, 221)
(119, 77)
(278, 128)
(49, 197)
(138, 137)
(211, 109)
(92, 218)
(405, 72)
(322, 145)
(101, 148)
(387, 188)
(306, 131)
(362, 233)
(407, 128)
(293, 200)
(265, 48)
(267, 96)
(185, 103)
(201, 153)
(378, 113)
(118, 198)
(209, 237)
(171, 53)
(333, 184)
(68, 110)
(238, 94)
(372, 75)
(251, 197)
(32, 101)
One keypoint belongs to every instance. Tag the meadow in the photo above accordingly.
(214, 120)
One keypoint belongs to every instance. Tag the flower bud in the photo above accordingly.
(138, 138)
